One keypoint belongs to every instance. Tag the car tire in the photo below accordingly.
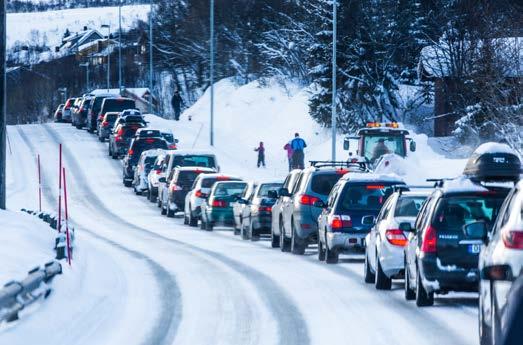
(285, 244)
(275, 240)
(202, 224)
(331, 255)
(209, 226)
(423, 298)
(409, 293)
(243, 232)
(297, 246)
(485, 334)
(169, 212)
(368, 276)
(193, 221)
(252, 232)
(236, 230)
(163, 211)
(381, 281)
(321, 250)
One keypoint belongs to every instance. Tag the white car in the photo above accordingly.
(384, 255)
(154, 176)
(198, 195)
(500, 262)
(143, 168)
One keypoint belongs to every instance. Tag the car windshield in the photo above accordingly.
(454, 212)
(230, 189)
(111, 118)
(378, 145)
(364, 196)
(323, 183)
(117, 105)
(194, 160)
(409, 206)
(97, 104)
(265, 188)
(168, 136)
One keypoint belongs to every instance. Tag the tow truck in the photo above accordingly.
(378, 139)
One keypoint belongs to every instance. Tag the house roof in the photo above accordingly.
(448, 60)
(80, 38)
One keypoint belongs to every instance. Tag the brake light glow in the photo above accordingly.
(175, 187)
(341, 171)
(118, 138)
(396, 237)
(375, 187)
(101, 117)
(308, 200)
(199, 194)
(158, 171)
(219, 203)
(105, 124)
(130, 152)
(430, 240)
(172, 147)
(513, 239)
(223, 178)
(339, 222)
(265, 209)
(150, 141)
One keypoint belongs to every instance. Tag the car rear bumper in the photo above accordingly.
(262, 224)
(222, 217)
(391, 259)
(346, 240)
(177, 200)
(439, 278)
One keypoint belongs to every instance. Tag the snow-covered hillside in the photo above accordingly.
(49, 27)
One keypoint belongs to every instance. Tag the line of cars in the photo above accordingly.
(461, 234)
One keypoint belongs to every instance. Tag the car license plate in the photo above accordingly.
(474, 248)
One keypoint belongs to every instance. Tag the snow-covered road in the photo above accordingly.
(152, 280)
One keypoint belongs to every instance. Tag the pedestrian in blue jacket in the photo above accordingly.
(298, 157)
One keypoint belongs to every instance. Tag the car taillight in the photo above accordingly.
(199, 194)
(105, 124)
(101, 117)
(158, 171)
(373, 186)
(513, 239)
(175, 187)
(430, 240)
(265, 209)
(81, 110)
(308, 200)
(341, 171)
(130, 152)
(219, 203)
(172, 147)
(222, 178)
(118, 138)
(339, 222)
(150, 141)
(396, 237)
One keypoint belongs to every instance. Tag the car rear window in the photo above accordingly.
(323, 183)
(97, 104)
(133, 118)
(208, 182)
(141, 145)
(265, 188)
(194, 160)
(169, 137)
(111, 118)
(453, 212)
(186, 178)
(409, 206)
(364, 196)
(230, 189)
(117, 105)
(149, 160)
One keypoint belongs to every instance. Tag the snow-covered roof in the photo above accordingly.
(214, 175)
(197, 168)
(440, 60)
(105, 92)
(493, 147)
(370, 177)
(462, 185)
(192, 152)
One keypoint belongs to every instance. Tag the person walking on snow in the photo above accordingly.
(177, 102)
(298, 157)
(288, 148)
(261, 154)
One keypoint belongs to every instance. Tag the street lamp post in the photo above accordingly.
(86, 65)
(211, 77)
(334, 70)
(151, 58)
(120, 46)
(108, 27)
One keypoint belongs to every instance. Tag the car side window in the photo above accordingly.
(297, 183)
(386, 209)
(422, 214)
(506, 210)
(333, 196)
(286, 182)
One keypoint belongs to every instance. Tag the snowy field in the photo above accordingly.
(48, 27)
(171, 284)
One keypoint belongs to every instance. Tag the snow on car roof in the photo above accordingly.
(493, 147)
(370, 177)
(221, 175)
(423, 193)
(192, 152)
(191, 168)
(153, 152)
(462, 184)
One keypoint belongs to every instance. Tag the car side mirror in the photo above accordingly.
(162, 180)
(368, 220)
(476, 230)
(405, 226)
(242, 201)
(284, 192)
(272, 194)
(412, 146)
(176, 141)
(319, 204)
(346, 144)
(497, 272)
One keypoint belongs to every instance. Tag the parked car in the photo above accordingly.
(512, 332)
(106, 126)
(113, 104)
(348, 215)
(143, 168)
(384, 244)
(59, 113)
(217, 210)
(137, 146)
(500, 262)
(300, 215)
(182, 180)
(148, 133)
(200, 190)
(94, 110)
(120, 139)
(257, 214)
(154, 176)
(238, 207)
(127, 119)
(277, 217)
(67, 111)
(171, 141)
(80, 111)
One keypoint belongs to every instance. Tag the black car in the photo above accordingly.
(120, 139)
(94, 110)
(79, 114)
(137, 146)
(106, 126)
(441, 254)
(257, 215)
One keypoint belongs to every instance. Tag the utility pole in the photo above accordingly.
(120, 46)
(3, 117)
(211, 79)
(151, 71)
(108, 27)
(334, 70)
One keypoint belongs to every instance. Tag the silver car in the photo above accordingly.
(238, 208)
(500, 262)
(277, 217)
(388, 236)
(142, 170)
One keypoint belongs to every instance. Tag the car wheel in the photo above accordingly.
(169, 212)
(243, 232)
(297, 245)
(162, 209)
(331, 255)
(485, 337)
(368, 276)
(409, 293)
(275, 240)
(209, 226)
(185, 219)
(495, 328)
(285, 245)
(381, 281)
(321, 250)
(252, 232)
(423, 298)
(202, 224)
(193, 221)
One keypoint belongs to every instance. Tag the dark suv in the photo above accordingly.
(94, 110)
(120, 139)
(442, 254)
(79, 115)
(113, 104)
(137, 146)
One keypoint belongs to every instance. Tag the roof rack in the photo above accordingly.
(340, 164)
(407, 188)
